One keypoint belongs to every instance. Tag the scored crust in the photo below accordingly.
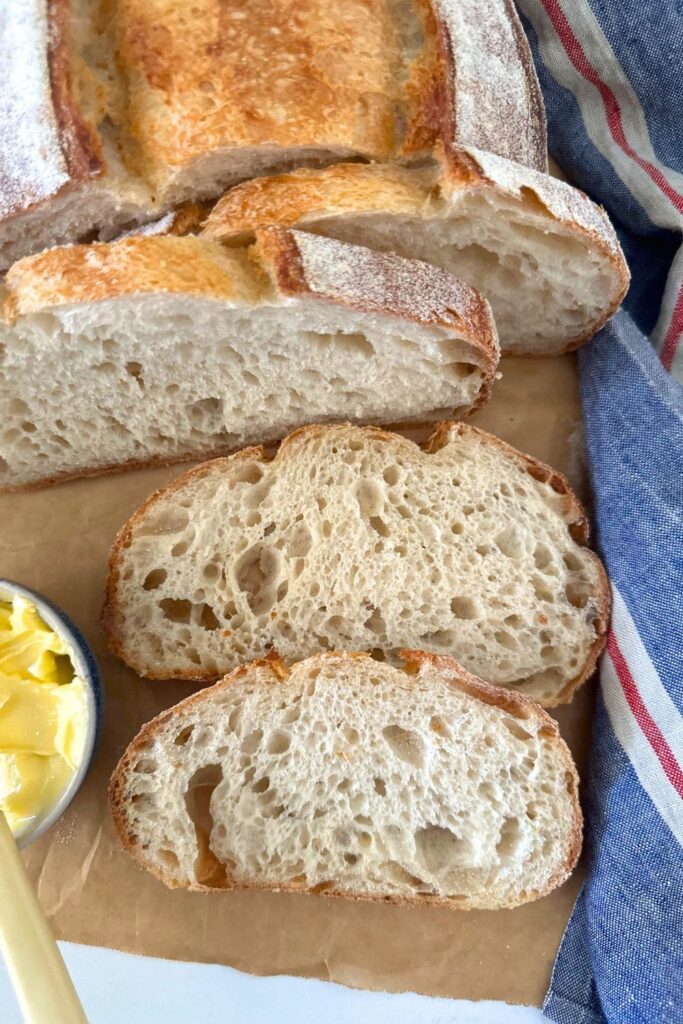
(574, 516)
(516, 704)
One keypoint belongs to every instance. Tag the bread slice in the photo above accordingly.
(114, 113)
(542, 253)
(344, 776)
(164, 348)
(358, 539)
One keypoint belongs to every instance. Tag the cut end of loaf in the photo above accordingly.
(344, 776)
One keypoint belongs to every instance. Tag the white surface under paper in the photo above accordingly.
(118, 987)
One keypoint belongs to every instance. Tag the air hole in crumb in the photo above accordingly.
(154, 579)
(577, 593)
(398, 874)
(464, 608)
(176, 611)
(440, 849)
(169, 859)
(510, 542)
(135, 370)
(278, 742)
(208, 618)
(543, 557)
(163, 520)
(380, 786)
(256, 571)
(181, 548)
(517, 730)
(300, 543)
(509, 839)
(370, 498)
(572, 562)
(261, 785)
(391, 475)
(251, 742)
(379, 526)
(542, 589)
(183, 736)
(207, 868)
(247, 473)
(405, 744)
(235, 718)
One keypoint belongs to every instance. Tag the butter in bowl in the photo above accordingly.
(50, 709)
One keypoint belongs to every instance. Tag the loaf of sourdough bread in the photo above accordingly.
(357, 539)
(414, 784)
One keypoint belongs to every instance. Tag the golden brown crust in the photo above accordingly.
(136, 265)
(273, 76)
(516, 704)
(80, 140)
(294, 199)
(574, 516)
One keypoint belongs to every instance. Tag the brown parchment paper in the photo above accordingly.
(57, 540)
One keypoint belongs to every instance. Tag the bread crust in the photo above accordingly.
(305, 265)
(516, 704)
(206, 96)
(143, 264)
(282, 76)
(70, 145)
(305, 197)
(80, 140)
(574, 515)
(476, 107)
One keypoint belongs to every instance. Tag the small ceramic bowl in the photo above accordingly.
(86, 667)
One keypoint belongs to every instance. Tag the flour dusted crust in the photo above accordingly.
(376, 282)
(47, 144)
(154, 828)
(491, 96)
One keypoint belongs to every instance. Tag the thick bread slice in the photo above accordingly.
(115, 112)
(357, 539)
(164, 348)
(542, 253)
(344, 776)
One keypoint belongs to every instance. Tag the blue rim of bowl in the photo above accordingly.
(87, 668)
